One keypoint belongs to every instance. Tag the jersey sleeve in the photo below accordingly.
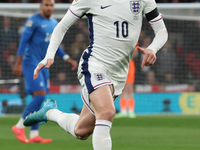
(58, 33)
(150, 9)
(80, 7)
(157, 23)
(29, 28)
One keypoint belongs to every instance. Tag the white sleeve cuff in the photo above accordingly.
(65, 57)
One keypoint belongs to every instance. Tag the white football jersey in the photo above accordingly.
(115, 27)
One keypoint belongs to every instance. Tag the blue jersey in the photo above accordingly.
(33, 46)
(35, 39)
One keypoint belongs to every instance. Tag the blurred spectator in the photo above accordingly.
(193, 63)
(166, 62)
(7, 68)
(78, 47)
(191, 88)
(169, 79)
(61, 79)
(191, 38)
(69, 1)
(25, 1)
(12, 48)
(58, 1)
(0, 72)
(150, 78)
(175, 1)
(191, 49)
(7, 35)
(181, 73)
(20, 29)
(162, 88)
(80, 26)
(4, 104)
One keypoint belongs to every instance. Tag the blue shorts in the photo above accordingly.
(41, 83)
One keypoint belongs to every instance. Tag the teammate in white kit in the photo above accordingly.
(114, 27)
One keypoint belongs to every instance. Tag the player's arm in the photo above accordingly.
(156, 21)
(160, 31)
(76, 10)
(26, 36)
(67, 58)
(56, 38)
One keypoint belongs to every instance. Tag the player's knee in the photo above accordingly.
(107, 114)
(82, 134)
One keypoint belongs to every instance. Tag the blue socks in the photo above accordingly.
(34, 105)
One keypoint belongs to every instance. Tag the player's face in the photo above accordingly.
(47, 8)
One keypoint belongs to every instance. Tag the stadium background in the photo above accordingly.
(162, 88)
(169, 87)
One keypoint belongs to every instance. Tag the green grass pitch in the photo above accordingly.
(162, 132)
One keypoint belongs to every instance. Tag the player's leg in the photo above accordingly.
(131, 100)
(129, 85)
(38, 90)
(104, 109)
(80, 127)
(123, 102)
(85, 124)
(96, 82)
(35, 105)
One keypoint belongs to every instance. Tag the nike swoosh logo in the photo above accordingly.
(105, 6)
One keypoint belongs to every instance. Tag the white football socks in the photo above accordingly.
(53, 114)
(101, 139)
(33, 133)
(65, 120)
(20, 123)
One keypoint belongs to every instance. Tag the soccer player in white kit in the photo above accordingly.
(114, 27)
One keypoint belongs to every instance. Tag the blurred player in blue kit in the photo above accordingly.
(32, 49)
(115, 27)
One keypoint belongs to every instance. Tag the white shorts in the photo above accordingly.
(92, 74)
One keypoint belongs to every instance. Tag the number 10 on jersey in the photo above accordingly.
(121, 27)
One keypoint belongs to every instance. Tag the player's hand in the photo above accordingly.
(149, 57)
(17, 70)
(44, 63)
(73, 63)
